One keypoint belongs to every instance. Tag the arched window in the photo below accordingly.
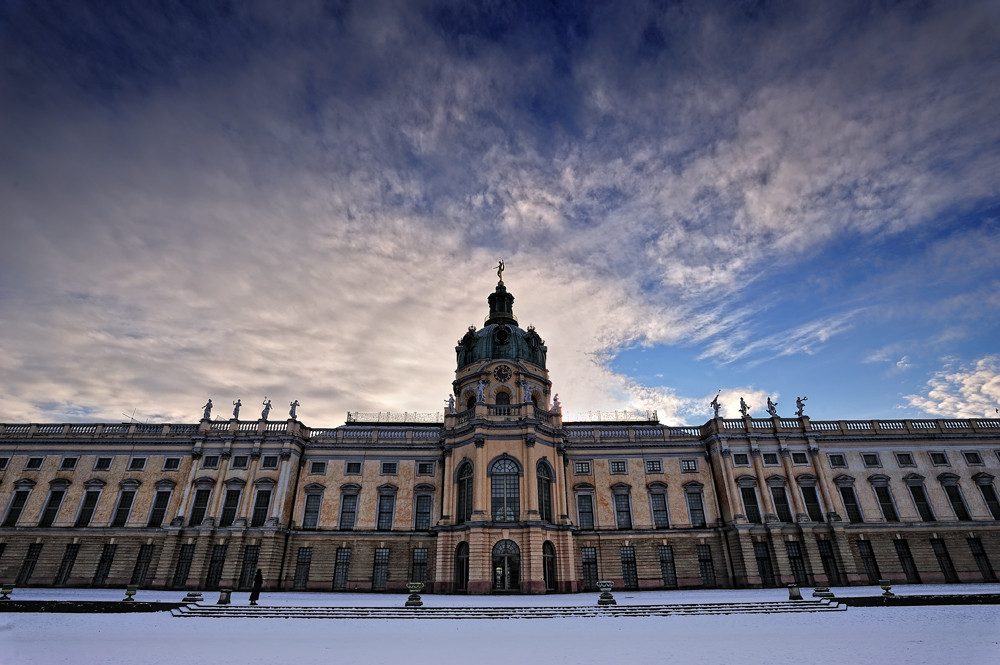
(549, 565)
(503, 398)
(506, 566)
(462, 566)
(544, 474)
(505, 495)
(471, 402)
(463, 511)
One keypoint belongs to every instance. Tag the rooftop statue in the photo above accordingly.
(772, 408)
(267, 409)
(451, 404)
(800, 403)
(291, 412)
(208, 410)
(715, 404)
(236, 409)
(744, 408)
(500, 271)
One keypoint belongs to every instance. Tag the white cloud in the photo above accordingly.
(962, 390)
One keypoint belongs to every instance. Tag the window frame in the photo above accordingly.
(98, 466)
(582, 468)
(588, 493)
(266, 462)
(240, 462)
(211, 461)
(764, 459)
(174, 462)
(317, 468)
(689, 465)
(659, 490)
(347, 467)
(943, 454)
(972, 458)
(69, 463)
(353, 492)
(901, 459)
(622, 492)
(137, 463)
(618, 467)
(745, 459)
(653, 466)
(31, 465)
(427, 472)
(805, 458)
(836, 460)
(312, 495)
(868, 463)
(389, 469)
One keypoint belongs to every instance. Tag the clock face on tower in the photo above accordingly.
(502, 373)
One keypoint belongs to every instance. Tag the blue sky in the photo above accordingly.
(305, 201)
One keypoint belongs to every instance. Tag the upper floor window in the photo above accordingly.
(689, 465)
(102, 464)
(3, 462)
(972, 457)
(581, 468)
(544, 474)
(68, 463)
(836, 460)
(240, 462)
(352, 468)
(425, 468)
(770, 459)
(314, 503)
(389, 468)
(623, 506)
(317, 468)
(505, 495)
(800, 458)
(463, 506)
(171, 463)
(695, 503)
(741, 459)
(658, 505)
(386, 508)
(348, 507)
(905, 459)
(269, 462)
(33, 464)
(871, 459)
(137, 464)
(209, 462)
(618, 466)
(654, 466)
(939, 458)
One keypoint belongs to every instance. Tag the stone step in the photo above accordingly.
(279, 612)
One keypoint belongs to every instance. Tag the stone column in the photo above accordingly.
(530, 479)
(447, 485)
(480, 483)
(798, 507)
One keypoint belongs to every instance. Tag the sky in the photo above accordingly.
(306, 201)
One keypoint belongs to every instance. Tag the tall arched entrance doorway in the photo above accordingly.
(506, 566)
(549, 565)
(462, 567)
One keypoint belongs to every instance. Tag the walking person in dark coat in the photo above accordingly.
(258, 582)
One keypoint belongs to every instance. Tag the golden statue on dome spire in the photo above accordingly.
(500, 273)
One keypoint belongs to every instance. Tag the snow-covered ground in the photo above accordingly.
(910, 635)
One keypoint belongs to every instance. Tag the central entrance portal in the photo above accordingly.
(506, 566)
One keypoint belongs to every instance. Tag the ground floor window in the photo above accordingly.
(104, 565)
(506, 566)
(183, 568)
(215, 565)
(340, 568)
(629, 576)
(462, 567)
(797, 562)
(251, 553)
(944, 560)
(418, 571)
(765, 568)
(906, 561)
(982, 561)
(869, 562)
(380, 570)
(28, 565)
(142, 562)
(302, 564)
(667, 570)
(705, 565)
(829, 562)
(588, 555)
(66, 566)
(549, 565)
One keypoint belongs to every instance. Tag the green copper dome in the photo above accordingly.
(501, 338)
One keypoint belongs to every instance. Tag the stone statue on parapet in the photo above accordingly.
(451, 404)
(236, 409)
(481, 391)
(800, 404)
(556, 406)
(744, 408)
(715, 404)
(267, 408)
(772, 408)
(208, 410)
(291, 411)
(500, 271)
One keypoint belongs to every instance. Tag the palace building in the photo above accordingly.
(499, 496)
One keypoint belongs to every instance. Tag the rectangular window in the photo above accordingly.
(103, 464)
(797, 562)
(762, 553)
(216, 566)
(829, 562)
(171, 463)
(260, 506)
(851, 506)
(906, 561)
(705, 565)
(629, 576)
(104, 565)
(68, 463)
(425, 468)
(67, 563)
(585, 510)
(28, 565)
(352, 468)
(386, 506)
(33, 463)
(944, 560)
(380, 570)
(939, 459)
(422, 521)
(240, 462)
(973, 458)
(198, 508)
(86, 514)
(183, 568)
(209, 462)
(982, 561)
(142, 561)
(623, 513)
(741, 459)
(16, 506)
(588, 556)
(618, 466)
(389, 468)
(52, 508)
(921, 502)
(689, 465)
(230, 505)
(957, 502)
(659, 504)
(303, 562)
(269, 462)
(799, 459)
(251, 554)
(3, 463)
(348, 511)
(781, 506)
(751, 509)
(696, 508)
(869, 562)
(884, 497)
(159, 512)
(341, 567)
(836, 460)
(770, 459)
(137, 464)
(871, 459)
(990, 498)
(418, 569)
(905, 459)
(317, 468)
(124, 508)
(667, 569)
(654, 466)
(310, 517)
(811, 498)
(581, 468)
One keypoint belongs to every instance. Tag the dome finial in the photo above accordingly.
(500, 273)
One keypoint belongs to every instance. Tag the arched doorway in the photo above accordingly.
(462, 567)
(506, 566)
(549, 565)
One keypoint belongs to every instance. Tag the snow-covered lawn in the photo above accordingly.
(939, 635)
